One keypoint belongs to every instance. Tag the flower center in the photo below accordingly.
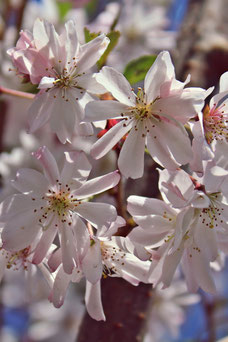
(215, 123)
(65, 77)
(18, 259)
(60, 203)
(211, 216)
(113, 258)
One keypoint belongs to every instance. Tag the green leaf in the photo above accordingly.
(89, 35)
(136, 70)
(114, 37)
(91, 7)
(64, 8)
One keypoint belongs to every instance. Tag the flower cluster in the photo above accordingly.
(54, 220)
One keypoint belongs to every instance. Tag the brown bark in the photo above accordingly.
(125, 307)
(202, 47)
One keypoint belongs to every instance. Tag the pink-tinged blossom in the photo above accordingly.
(204, 216)
(154, 118)
(211, 127)
(22, 260)
(59, 65)
(194, 223)
(215, 115)
(55, 202)
(102, 255)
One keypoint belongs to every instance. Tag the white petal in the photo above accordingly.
(67, 248)
(3, 263)
(187, 270)
(182, 106)
(92, 263)
(176, 140)
(90, 83)
(91, 52)
(106, 232)
(117, 85)
(223, 83)
(82, 239)
(110, 139)
(61, 283)
(131, 159)
(40, 111)
(176, 186)
(154, 223)
(19, 233)
(41, 30)
(44, 244)
(140, 236)
(66, 113)
(161, 71)
(17, 205)
(76, 167)
(71, 43)
(93, 301)
(103, 110)
(46, 82)
(139, 205)
(49, 164)
(55, 260)
(169, 267)
(29, 180)
(206, 240)
(98, 214)
(159, 152)
(202, 272)
(97, 185)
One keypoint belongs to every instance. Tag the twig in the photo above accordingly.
(16, 93)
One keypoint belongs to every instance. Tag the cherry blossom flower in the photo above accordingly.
(190, 225)
(204, 217)
(211, 127)
(55, 202)
(101, 255)
(216, 113)
(21, 260)
(59, 64)
(154, 117)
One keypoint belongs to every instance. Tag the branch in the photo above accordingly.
(125, 307)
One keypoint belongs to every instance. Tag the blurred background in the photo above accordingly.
(195, 32)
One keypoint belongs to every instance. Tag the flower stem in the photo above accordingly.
(16, 93)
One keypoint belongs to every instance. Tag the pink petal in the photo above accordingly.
(93, 301)
(110, 139)
(161, 71)
(44, 244)
(76, 168)
(29, 180)
(103, 110)
(117, 85)
(60, 286)
(40, 111)
(92, 263)
(49, 164)
(20, 232)
(131, 159)
(67, 247)
(18, 205)
(98, 214)
(97, 185)
(91, 52)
